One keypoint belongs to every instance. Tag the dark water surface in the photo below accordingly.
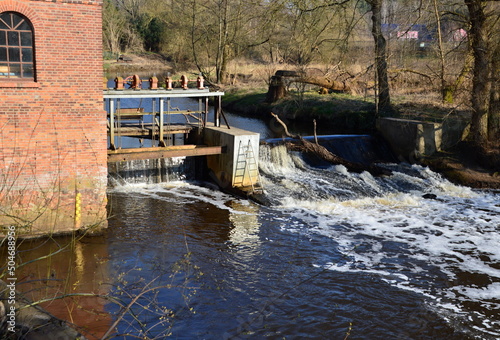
(337, 255)
(248, 271)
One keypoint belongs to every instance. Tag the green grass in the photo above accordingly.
(343, 111)
(245, 96)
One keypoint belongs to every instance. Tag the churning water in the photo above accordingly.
(336, 256)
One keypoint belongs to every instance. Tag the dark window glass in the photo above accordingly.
(16, 20)
(13, 38)
(14, 54)
(16, 46)
(15, 70)
(6, 19)
(3, 54)
(27, 55)
(28, 70)
(26, 39)
(24, 26)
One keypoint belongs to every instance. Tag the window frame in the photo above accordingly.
(22, 46)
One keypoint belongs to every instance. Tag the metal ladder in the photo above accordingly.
(246, 165)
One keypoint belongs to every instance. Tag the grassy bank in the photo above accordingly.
(339, 112)
(343, 113)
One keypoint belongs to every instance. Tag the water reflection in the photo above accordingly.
(62, 270)
(244, 217)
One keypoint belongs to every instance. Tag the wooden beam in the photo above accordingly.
(146, 131)
(158, 152)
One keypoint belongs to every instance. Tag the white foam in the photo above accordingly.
(490, 292)
(456, 232)
(180, 192)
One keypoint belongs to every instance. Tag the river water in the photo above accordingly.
(337, 255)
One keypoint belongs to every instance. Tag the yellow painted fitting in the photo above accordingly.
(78, 206)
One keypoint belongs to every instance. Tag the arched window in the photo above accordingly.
(16, 47)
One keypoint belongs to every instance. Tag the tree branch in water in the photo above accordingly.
(302, 145)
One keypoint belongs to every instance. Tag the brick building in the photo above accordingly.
(52, 124)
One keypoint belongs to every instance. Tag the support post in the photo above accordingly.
(153, 122)
(112, 124)
(217, 109)
(169, 122)
(205, 116)
(162, 142)
(200, 106)
(119, 122)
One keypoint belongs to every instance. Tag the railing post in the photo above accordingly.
(112, 124)
(206, 107)
(162, 142)
(217, 109)
(153, 121)
(205, 116)
(119, 122)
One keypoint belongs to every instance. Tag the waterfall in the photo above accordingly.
(291, 175)
(153, 170)
(364, 149)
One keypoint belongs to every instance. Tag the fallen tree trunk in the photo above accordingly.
(302, 145)
(326, 83)
(282, 79)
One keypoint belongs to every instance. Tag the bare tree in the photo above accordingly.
(384, 99)
(494, 109)
(442, 61)
(494, 113)
(114, 25)
(481, 83)
(221, 30)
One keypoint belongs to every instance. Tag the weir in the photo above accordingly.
(363, 149)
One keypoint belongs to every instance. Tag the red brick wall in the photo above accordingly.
(53, 131)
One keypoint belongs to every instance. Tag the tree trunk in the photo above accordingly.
(494, 112)
(466, 69)
(384, 99)
(276, 90)
(277, 86)
(445, 90)
(481, 83)
(333, 85)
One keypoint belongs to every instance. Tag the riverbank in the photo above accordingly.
(334, 113)
(465, 166)
(341, 113)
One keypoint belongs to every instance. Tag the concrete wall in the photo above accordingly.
(411, 139)
(224, 166)
(53, 128)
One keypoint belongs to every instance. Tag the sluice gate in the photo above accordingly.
(198, 136)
